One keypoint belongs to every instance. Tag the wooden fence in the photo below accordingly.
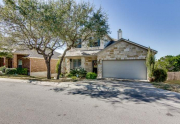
(173, 76)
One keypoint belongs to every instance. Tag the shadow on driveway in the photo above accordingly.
(118, 91)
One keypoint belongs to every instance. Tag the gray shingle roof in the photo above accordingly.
(75, 52)
(34, 54)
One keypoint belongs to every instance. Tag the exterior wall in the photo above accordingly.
(14, 62)
(120, 51)
(86, 63)
(84, 45)
(39, 65)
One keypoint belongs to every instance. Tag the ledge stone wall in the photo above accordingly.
(120, 51)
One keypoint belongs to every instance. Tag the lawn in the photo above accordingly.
(26, 77)
(172, 85)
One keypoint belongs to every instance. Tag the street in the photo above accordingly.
(95, 102)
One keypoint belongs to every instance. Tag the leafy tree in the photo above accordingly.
(150, 62)
(34, 24)
(169, 63)
(82, 23)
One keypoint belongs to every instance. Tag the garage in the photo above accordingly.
(126, 69)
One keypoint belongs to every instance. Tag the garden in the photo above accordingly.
(74, 75)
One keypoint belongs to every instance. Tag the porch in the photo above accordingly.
(88, 63)
(6, 61)
(21, 61)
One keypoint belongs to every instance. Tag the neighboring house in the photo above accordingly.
(6, 61)
(34, 62)
(109, 58)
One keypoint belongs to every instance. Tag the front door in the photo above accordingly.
(94, 63)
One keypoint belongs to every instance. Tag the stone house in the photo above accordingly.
(31, 60)
(109, 58)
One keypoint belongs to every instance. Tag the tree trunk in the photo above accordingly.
(60, 65)
(48, 65)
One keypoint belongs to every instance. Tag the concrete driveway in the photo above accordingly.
(87, 102)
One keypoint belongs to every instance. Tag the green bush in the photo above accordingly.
(160, 75)
(68, 75)
(3, 68)
(10, 71)
(79, 72)
(22, 71)
(57, 65)
(74, 78)
(91, 75)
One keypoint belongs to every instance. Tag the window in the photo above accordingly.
(94, 43)
(79, 43)
(19, 63)
(76, 63)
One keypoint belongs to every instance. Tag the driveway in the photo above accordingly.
(87, 102)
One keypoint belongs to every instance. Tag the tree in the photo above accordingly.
(150, 62)
(169, 63)
(34, 24)
(81, 23)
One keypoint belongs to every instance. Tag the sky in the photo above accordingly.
(151, 23)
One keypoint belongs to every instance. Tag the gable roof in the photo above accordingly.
(128, 41)
(34, 54)
(73, 53)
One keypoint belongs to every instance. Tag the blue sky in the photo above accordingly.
(154, 23)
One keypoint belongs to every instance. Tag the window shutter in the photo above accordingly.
(98, 42)
(79, 44)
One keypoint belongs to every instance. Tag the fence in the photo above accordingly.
(173, 76)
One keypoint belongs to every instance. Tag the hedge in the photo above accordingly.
(160, 75)
(10, 71)
(3, 68)
(91, 75)
(22, 71)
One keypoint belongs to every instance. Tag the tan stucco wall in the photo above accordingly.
(120, 51)
(39, 65)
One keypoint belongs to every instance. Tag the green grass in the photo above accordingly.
(26, 77)
(171, 85)
(173, 82)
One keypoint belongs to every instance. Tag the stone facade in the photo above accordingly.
(120, 51)
(86, 63)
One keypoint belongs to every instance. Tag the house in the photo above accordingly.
(31, 60)
(109, 58)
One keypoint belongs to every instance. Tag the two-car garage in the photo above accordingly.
(124, 69)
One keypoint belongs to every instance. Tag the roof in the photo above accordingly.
(128, 41)
(34, 54)
(74, 52)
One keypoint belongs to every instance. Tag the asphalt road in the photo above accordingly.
(102, 102)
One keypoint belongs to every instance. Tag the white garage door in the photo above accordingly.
(128, 69)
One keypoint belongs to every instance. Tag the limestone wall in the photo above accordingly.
(120, 51)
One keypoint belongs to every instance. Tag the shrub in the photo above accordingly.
(91, 75)
(74, 78)
(80, 72)
(57, 65)
(150, 62)
(160, 75)
(3, 68)
(68, 75)
(22, 71)
(10, 71)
